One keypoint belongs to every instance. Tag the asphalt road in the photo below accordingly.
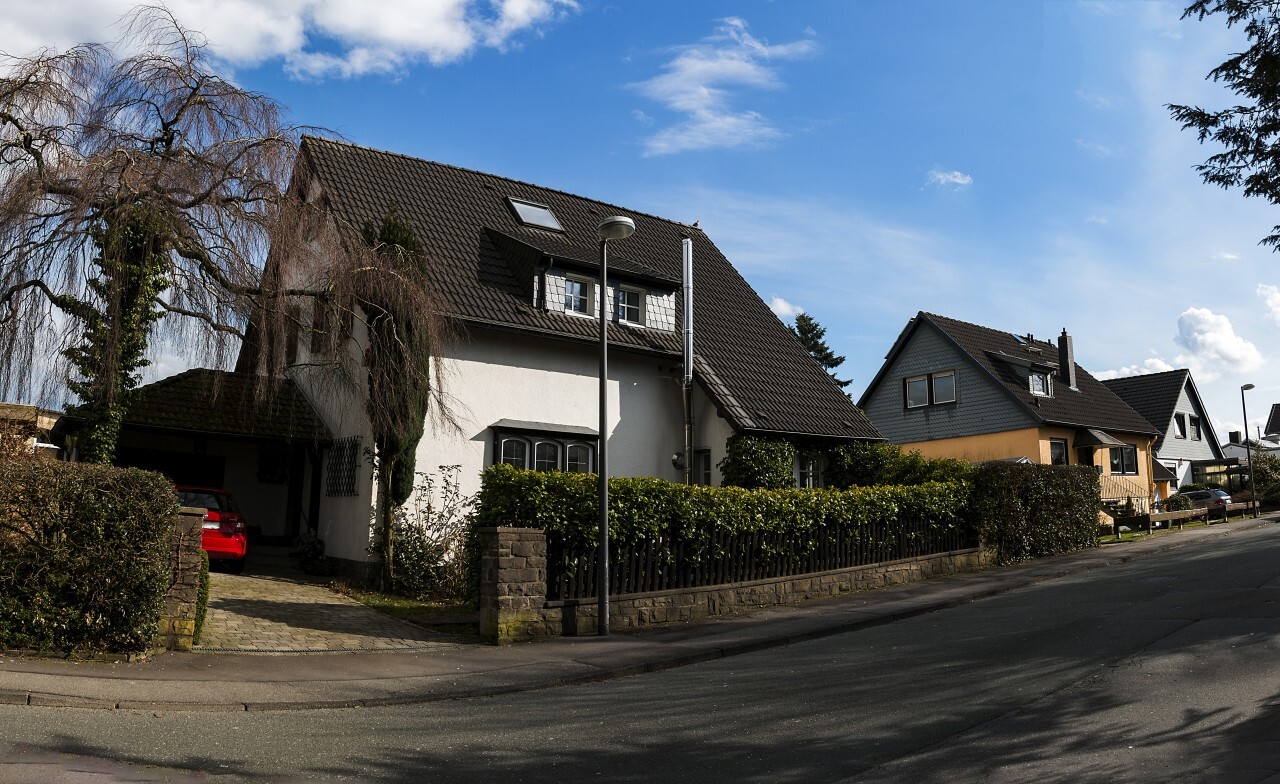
(1164, 669)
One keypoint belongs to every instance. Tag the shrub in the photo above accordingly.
(84, 556)
(754, 462)
(1193, 486)
(309, 553)
(1176, 503)
(867, 464)
(1027, 511)
(429, 534)
(642, 508)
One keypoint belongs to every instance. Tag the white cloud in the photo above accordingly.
(949, 179)
(1151, 365)
(1211, 346)
(699, 82)
(783, 309)
(1101, 220)
(360, 37)
(1223, 255)
(1095, 100)
(1271, 295)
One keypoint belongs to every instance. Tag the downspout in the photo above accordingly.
(686, 246)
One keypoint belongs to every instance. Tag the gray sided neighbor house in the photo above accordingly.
(1188, 446)
(949, 388)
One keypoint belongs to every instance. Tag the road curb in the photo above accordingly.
(1037, 573)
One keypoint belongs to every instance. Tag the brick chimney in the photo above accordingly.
(1234, 437)
(1066, 359)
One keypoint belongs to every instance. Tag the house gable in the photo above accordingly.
(1171, 403)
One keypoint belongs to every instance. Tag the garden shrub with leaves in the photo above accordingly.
(868, 464)
(641, 508)
(84, 556)
(1027, 511)
(430, 532)
(754, 462)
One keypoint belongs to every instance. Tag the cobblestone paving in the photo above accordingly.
(259, 614)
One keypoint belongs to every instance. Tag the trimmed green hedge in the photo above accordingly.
(642, 507)
(84, 556)
(1027, 511)
(867, 464)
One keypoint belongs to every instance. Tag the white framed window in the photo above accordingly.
(944, 386)
(577, 295)
(809, 471)
(1179, 425)
(1194, 427)
(1040, 383)
(1058, 452)
(702, 466)
(577, 459)
(630, 306)
(515, 452)
(917, 388)
(546, 456)
(534, 214)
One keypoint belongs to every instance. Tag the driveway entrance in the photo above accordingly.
(270, 609)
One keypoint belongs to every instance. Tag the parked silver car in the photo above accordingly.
(1212, 499)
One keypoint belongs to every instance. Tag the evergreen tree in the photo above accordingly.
(811, 334)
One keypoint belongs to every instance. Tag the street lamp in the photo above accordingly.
(1248, 452)
(617, 227)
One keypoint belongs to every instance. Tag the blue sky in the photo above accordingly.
(1007, 162)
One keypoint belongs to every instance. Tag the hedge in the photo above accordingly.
(643, 507)
(1027, 511)
(84, 556)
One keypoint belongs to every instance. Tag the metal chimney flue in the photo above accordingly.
(1066, 359)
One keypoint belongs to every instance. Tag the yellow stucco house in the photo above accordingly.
(949, 388)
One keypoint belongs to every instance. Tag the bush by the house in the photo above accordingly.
(84, 556)
(644, 507)
(865, 464)
(429, 534)
(1177, 503)
(755, 462)
(1027, 511)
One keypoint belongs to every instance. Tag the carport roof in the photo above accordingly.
(216, 402)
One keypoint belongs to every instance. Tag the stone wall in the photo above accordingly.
(514, 607)
(178, 617)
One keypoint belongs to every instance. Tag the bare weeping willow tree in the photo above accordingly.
(143, 196)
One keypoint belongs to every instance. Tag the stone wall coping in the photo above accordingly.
(591, 601)
(510, 529)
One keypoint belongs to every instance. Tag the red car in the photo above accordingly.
(224, 536)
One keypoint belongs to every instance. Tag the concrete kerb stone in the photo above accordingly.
(1034, 574)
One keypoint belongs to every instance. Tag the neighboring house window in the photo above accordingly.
(931, 389)
(1041, 384)
(944, 387)
(546, 452)
(577, 295)
(702, 466)
(1124, 460)
(1179, 425)
(1058, 454)
(1194, 422)
(344, 460)
(630, 306)
(809, 473)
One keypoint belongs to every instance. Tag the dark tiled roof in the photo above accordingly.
(216, 402)
(1154, 395)
(753, 367)
(1273, 421)
(995, 351)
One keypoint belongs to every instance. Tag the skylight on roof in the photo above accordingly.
(535, 214)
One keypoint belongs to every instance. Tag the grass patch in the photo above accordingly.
(453, 616)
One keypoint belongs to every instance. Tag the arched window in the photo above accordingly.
(546, 456)
(515, 451)
(578, 458)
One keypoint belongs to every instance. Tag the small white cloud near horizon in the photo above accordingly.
(783, 309)
(1211, 346)
(1149, 366)
(698, 83)
(1223, 255)
(953, 180)
(361, 38)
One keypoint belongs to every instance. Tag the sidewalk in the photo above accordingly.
(227, 682)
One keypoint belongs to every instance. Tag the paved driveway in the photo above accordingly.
(282, 614)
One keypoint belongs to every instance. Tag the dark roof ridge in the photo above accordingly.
(464, 169)
(983, 326)
(1146, 375)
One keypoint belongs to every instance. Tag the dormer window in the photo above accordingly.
(577, 295)
(630, 306)
(532, 214)
(1041, 383)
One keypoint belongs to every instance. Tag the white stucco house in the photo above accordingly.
(517, 267)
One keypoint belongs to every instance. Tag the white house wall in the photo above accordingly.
(1177, 453)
